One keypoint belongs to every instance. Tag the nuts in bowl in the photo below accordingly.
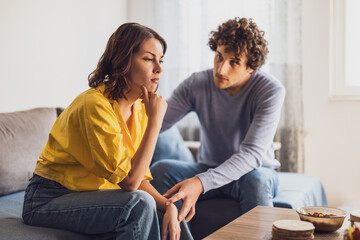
(325, 219)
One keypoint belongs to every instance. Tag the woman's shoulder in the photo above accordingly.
(91, 100)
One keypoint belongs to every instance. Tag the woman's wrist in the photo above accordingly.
(170, 207)
(154, 125)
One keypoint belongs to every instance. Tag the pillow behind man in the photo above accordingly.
(171, 145)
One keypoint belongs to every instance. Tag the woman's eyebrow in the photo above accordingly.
(153, 54)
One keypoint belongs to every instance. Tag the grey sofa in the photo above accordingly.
(23, 135)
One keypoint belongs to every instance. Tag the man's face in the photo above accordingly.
(230, 73)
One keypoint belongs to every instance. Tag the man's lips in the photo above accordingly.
(221, 78)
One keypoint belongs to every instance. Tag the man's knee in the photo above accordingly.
(260, 179)
(163, 168)
(254, 180)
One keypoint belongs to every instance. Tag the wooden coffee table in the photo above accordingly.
(257, 224)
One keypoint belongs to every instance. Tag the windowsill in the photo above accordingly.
(345, 98)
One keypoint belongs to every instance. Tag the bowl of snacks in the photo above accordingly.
(325, 219)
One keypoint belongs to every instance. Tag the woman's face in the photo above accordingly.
(145, 66)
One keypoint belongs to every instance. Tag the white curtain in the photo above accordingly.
(186, 24)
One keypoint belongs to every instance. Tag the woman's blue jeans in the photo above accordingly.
(257, 187)
(128, 215)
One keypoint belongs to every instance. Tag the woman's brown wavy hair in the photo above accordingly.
(115, 63)
(241, 36)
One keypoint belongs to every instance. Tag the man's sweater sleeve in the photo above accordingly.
(252, 149)
(179, 104)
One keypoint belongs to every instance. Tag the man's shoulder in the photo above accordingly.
(265, 77)
(266, 80)
(201, 77)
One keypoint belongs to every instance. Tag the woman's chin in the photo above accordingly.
(153, 88)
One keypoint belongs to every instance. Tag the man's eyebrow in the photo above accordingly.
(153, 54)
(234, 58)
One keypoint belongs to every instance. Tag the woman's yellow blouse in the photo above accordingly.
(90, 146)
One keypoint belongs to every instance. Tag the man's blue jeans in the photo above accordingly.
(128, 215)
(257, 187)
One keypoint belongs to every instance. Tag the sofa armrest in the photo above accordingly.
(193, 146)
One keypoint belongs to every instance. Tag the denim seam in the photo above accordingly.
(31, 212)
(76, 209)
(137, 233)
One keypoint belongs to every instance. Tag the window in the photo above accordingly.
(345, 50)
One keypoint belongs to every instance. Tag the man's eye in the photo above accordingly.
(235, 62)
(161, 61)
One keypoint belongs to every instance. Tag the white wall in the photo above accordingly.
(49, 47)
(332, 140)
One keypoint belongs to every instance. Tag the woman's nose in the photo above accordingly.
(157, 68)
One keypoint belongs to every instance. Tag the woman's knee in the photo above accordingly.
(144, 201)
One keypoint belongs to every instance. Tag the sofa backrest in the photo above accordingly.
(23, 135)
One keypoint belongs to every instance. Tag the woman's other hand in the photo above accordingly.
(155, 106)
(170, 223)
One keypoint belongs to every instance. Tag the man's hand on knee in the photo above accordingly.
(189, 190)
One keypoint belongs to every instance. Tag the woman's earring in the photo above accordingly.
(106, 79)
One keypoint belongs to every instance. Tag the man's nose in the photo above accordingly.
(223, 67)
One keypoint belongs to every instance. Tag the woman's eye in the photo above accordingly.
(234, 62)
(161, 61)
(148, 59)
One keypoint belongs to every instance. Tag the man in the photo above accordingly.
(239, 109)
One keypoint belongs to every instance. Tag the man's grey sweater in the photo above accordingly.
(237, 132)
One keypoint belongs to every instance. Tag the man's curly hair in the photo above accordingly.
(241, 36)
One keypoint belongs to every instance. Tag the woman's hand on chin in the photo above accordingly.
(155, 106)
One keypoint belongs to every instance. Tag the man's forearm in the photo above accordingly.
(231, 170)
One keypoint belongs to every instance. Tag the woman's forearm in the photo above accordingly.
(159, 199)
(141, 161)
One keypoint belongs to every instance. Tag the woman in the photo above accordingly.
(92, 176)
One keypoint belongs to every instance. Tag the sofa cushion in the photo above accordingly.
(23, 135)
(299, 190)
(170, 145)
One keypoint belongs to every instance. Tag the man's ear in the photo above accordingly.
(250, 70)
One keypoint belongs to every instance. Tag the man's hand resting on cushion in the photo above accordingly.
(189, 190)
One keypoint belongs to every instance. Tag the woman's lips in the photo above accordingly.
(155, 80)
